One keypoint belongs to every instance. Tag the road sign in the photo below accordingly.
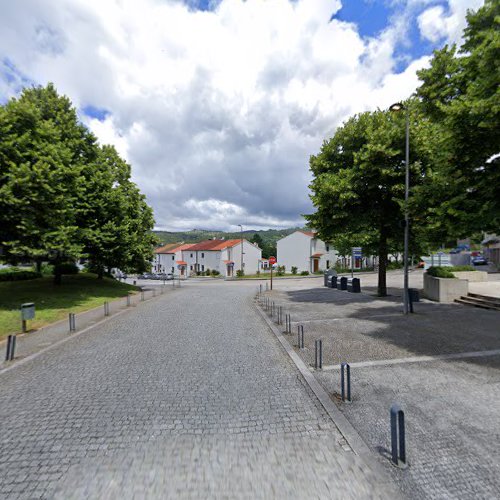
(272, 260)
(356, 252)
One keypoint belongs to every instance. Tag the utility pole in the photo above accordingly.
(241, 227)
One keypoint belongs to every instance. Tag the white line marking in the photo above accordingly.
(418, 359)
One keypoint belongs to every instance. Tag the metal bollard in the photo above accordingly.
(142, 295)
(300, 335)
(106, 309)
(260, 288)
(398, 420)
(289, 324)
(344, 367)
(128, 300)
(318, 354)
(72, 322)
(11, 348)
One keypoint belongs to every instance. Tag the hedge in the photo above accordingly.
(440, 272)
(14, 275)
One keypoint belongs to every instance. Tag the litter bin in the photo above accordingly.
(343, 283)
(354, 285)
(413, 295)
(327, 274)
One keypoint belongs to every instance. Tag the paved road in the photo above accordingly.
(185, 396)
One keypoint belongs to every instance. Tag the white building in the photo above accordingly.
(223, 256)
(168, 259)
(306, 252)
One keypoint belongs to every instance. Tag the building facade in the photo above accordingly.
(306, 252)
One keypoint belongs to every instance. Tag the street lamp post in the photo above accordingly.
(401, 107)
(241, 228)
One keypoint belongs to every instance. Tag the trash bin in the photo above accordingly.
(413, 295)
(354, 285)
(343, 283)
(335, 282)
(327, 274)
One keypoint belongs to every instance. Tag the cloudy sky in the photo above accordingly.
(219, 104)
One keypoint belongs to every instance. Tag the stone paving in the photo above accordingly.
(452, 406)
(185, 396)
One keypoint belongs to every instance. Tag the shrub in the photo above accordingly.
(304, 273)
(294, 270)
(439, 272)
(66, 268)
(215, 272)
(394, 265)
(15, 274)
(240, 273)
(280, 271)
(457, 269)
(207, 272)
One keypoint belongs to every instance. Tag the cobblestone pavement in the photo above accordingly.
(452, 406)
(186, 396)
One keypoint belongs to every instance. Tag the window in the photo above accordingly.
(191, 268)
(172, 270)
(328, 264)
(173, 257)
(202, 267)
(191, 255)
(202, 255)
(327, 248)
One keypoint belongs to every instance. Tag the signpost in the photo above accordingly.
(356, 254)
(272, 261)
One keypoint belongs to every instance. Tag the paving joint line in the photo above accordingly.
(417, 359)
(347, 430)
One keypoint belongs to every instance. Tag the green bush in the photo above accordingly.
(294, 270)
(394, 265)
(215, 272)
(440, 272)
(47, 269)
(66, 268)
(240, 273)
(15, 274)
(207, 272)
(457, 269)
(280, 271)
(304, 273)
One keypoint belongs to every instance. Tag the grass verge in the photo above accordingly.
(76, 294)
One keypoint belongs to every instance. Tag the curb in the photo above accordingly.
(350, 434)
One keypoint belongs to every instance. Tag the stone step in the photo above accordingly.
(495, 300)
(473, 301)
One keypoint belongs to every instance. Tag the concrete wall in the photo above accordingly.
(472, 275)
(444, 289)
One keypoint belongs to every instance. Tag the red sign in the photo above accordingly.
(272, 260)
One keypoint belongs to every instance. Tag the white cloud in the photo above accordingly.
(440, 24)
(217, 111)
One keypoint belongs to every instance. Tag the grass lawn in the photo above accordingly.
(76, 294)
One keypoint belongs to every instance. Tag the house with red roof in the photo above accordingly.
(168, 259)
(225, 256)
(305, 251)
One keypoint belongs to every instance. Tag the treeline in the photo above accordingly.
(62, 195)
(358, 185)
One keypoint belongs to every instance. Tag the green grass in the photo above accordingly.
(76, 294)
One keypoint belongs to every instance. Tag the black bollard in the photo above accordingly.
(344, 367)
(398, 424)
(11, 348)
(300, 335)
(318, 354)
(72, 322)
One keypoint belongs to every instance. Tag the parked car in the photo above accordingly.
(164, 276)
(479, 261)
(145, 276)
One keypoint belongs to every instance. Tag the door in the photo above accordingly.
(315, 265)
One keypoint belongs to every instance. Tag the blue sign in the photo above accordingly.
(356, 252)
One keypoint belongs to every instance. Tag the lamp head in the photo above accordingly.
(398, 106)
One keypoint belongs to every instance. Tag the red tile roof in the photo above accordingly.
(181, 263)
(316, 256)
(166, 248)
(309, 233)
(215, 245)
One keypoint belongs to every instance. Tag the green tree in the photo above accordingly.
(460, 92)
(42, 151)
(358, 183)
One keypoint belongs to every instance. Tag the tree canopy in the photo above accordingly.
(62, 195)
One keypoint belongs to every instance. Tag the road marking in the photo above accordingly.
(418, 359)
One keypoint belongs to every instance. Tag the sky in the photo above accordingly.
(218, 105)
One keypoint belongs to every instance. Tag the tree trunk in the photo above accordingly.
(57, 275)
(38, 264)
(100, 273)
(382, 263)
